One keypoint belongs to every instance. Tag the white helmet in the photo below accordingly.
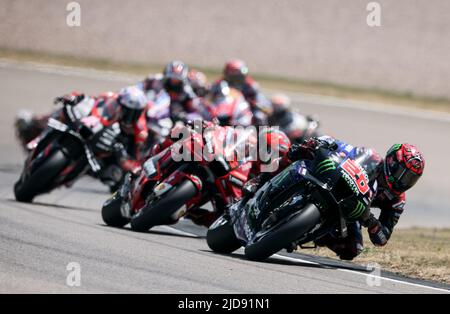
(132, 101)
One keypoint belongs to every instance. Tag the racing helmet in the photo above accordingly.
(132, 103)
(403, 166)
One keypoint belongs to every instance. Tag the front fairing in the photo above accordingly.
(247, 218)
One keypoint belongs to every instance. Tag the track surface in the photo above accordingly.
(38, 240)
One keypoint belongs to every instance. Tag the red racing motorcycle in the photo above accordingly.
(167, 188)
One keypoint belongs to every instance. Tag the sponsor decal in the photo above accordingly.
(357, 174)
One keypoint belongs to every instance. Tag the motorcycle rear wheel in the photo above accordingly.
(112, 214)
(284, 235)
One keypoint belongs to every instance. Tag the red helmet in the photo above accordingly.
(403, 166)
(235, 72)
(277, 140)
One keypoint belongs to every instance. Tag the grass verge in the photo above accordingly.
(280, 83)
(414, 252)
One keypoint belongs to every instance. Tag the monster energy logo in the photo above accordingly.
(358, 210)
(325, 165)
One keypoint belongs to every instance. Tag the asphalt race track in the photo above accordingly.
(38, 241)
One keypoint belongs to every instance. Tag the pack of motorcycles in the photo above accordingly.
(162, 190)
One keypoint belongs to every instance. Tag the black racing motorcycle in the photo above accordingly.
(312, 198)
(68, 148)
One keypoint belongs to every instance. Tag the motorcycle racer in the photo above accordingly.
(235, 73)
(184, 103)
(389, 178)
(128, 109)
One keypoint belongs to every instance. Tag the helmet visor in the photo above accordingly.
(235, 79)
(403, 178)
(174, 85)
(130, 116)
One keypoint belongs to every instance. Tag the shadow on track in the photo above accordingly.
(157, 232)
(92, 190)
(52, 205)
(303, 260)
(330, 262)
(11, 168)
(272, 260)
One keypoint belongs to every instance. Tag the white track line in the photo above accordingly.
(318, 100)
(176, 231)
(69, 71)
(293, 259)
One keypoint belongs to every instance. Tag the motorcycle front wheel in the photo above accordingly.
(221, 237)
(112, 212)
(160, 212)
(284, 235)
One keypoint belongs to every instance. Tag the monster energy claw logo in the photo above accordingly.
(357, 211)
(325, 165)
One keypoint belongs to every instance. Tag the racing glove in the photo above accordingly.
(377, 232)
(304, 150)
(377, 235)
(307, 149)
